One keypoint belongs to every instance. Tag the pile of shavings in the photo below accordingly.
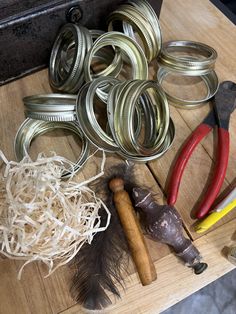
(43, 217)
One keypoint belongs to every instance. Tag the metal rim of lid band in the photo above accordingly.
(201, 63)
(115, 61)
(61, 76)
(87, 118)
(138, 16)
(147, 10)
(121, 105)
(166, 145)
(211, 82)
(50, 107)
(86, 115)
(31, 128)
(130, 21)
(127, 45)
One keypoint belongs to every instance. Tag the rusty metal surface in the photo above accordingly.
(28, 29)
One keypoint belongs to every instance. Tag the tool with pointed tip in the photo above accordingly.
(224, 104)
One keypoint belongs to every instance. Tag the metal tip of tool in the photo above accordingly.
(199, 268)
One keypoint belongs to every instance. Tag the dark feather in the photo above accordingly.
(100, 266)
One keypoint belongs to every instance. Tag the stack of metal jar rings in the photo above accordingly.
(76, 49)
(138, 124)
(71, 66)
(46, 113)
(67, 58)
(139, 127)
(138, 18)
(92, 64)
(128, 50)
(188, 58)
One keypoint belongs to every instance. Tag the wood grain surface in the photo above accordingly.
(193, 20)
(199, 21)
(174, 282)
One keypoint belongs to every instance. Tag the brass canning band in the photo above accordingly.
(210, 79)
(147, 10)
(138, 117)
(50, 107)
(30, 129)
(67, 58)
(202, 62)
(138, 23)
(123, 121)
(95, 33)
(123, 99)
(105, 56)
(127, 45)
(113, 60)
(163, 149)
(86, 115)
(139, 16)
(137, 123)
(148, 111)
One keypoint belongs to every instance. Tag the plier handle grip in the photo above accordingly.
(219, 116)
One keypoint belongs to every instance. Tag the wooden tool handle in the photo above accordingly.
(133, 232)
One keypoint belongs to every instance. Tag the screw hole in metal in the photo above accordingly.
(74, 15)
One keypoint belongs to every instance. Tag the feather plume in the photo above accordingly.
(101, 265)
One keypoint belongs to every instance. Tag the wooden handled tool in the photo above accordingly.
(133, 232)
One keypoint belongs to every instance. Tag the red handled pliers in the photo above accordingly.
(224, 104)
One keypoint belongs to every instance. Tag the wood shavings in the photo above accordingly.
(43, 217)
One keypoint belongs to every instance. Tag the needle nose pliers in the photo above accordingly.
(224, 104)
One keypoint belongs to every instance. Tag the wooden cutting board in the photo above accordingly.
(193, 20)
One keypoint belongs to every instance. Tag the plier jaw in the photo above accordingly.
(224, 103)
